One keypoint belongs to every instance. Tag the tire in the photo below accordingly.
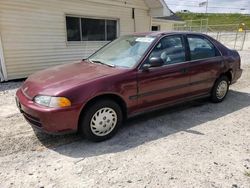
(101, 120)
(220, 89)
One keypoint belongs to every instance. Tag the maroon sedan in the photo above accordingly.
(131, 75)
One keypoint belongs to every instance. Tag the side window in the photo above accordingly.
(201, 48)
(170, 50)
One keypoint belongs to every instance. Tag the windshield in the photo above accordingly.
(125, 51)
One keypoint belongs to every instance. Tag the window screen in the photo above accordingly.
(88, 29)
(111, 29)
(93, 29)
(73, 29)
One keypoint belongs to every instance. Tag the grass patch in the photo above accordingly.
(217, 19)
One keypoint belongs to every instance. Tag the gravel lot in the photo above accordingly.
(198, 144)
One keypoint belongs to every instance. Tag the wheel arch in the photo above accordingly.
(229, 74)
(110, 96)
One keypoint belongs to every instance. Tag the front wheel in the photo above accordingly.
(220, 89)
(101, 120)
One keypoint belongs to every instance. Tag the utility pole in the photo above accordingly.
(206, 7)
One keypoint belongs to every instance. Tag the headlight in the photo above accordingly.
(53, 102)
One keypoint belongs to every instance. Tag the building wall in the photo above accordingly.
(34, 32)
(164, 26)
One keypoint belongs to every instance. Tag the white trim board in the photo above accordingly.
(3, 71)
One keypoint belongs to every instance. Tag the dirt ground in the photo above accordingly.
(197, 144)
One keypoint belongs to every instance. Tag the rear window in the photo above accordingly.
(201, 48)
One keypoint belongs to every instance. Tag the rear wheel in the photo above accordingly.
(101, 120)
(220, 89)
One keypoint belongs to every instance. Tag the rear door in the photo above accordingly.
(168, 83)
(205, 64)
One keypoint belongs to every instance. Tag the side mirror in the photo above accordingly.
(146, 67)
(156, 62)
(153, 62)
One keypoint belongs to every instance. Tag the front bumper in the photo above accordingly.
(49, 120)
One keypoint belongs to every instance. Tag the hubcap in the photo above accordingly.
(222, 89)
(103, 121)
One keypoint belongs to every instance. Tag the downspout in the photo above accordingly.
(133, 17)
(3, 71)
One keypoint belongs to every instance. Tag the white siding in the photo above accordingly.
(143, 22)
(34, 32)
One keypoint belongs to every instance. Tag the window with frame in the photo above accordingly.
(201, 48)
(88, 29)
(155, 28)
(170, 49)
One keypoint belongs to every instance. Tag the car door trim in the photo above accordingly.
(146, 94)
(167, 105)
(154, 92)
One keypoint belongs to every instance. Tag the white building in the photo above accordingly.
(38, 34)
(166, 23)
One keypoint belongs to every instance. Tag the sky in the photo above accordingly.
(214, 6)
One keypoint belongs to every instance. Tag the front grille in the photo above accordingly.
(32, 120)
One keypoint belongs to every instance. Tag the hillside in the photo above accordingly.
(217, 19)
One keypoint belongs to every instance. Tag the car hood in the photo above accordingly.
(57, 79)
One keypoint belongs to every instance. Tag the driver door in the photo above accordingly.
(168, 83)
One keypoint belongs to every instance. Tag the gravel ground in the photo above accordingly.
(197, 144)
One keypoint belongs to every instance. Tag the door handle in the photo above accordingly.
(184, 70)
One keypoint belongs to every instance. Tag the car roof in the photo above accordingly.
(160, 33)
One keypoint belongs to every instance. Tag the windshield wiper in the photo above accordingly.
(99, 62)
